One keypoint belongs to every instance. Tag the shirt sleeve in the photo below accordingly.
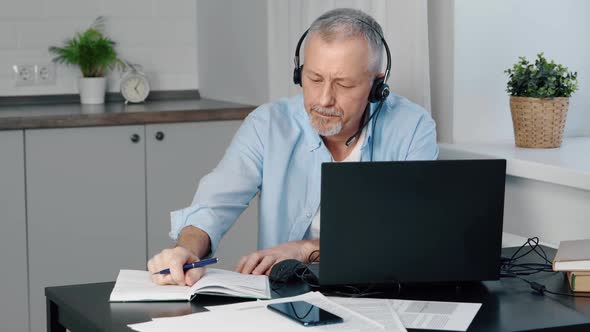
(223, 194)
(423, 145)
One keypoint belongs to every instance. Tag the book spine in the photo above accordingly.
(572, 281)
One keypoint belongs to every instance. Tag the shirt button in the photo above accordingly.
(308, 214)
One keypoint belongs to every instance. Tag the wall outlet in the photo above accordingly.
(45, 74)
(24, 75)
(34, 74)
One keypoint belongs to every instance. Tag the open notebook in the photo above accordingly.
(137, 286)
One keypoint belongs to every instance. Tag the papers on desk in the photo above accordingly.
(254, 316)
(428, 315)
(359, 315)
(353, 321)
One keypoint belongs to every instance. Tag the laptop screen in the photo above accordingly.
(411, 221)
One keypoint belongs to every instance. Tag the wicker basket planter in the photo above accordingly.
(538, 122)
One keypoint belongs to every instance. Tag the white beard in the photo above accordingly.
(321, 125)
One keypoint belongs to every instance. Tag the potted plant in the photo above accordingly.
(539, 101)
(95, 54)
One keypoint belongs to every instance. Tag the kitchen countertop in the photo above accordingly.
(62, 115)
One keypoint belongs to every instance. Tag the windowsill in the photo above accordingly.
(568, 165)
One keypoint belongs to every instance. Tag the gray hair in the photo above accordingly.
(348, 23)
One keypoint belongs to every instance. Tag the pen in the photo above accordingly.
(189, 266)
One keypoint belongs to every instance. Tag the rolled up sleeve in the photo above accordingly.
(223, 194)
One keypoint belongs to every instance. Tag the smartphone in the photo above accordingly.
(305, 313)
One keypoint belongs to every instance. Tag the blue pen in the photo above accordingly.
(189, 266)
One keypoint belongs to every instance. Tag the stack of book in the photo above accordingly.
(573, 257)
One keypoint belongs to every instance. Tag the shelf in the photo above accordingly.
(568, 165)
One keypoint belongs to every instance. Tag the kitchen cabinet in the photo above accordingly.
(99, 199)
(86, 207)
(13, 237)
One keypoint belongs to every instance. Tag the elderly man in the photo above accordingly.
(344, 114)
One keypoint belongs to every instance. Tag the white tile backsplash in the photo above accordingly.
(8, 36)
(19, 9)
(45, 32)
(136, 32)
(175, 8)
(171, 60)
(165, 81)
(127, 8)
(74, 8)
(159, 35)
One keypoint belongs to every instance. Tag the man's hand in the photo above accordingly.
(192, 244)
(174, 259)
(261, 262)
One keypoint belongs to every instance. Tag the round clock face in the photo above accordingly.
(135, 88)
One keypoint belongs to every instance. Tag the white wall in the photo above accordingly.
(158, 34)
(246, 48)
(550, 211)
(232, 61)
(441, 46)
(490, 35)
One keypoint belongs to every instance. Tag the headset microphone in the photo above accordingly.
(352, 138)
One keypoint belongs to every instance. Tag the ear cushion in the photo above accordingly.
(379, 90)
(297, 75)
(286, 270)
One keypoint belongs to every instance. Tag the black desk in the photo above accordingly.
(508, 305)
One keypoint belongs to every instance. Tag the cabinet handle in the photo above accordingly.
(135, 138)
(160, 136)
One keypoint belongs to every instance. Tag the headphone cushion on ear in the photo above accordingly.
(377, 89)
(297, 75)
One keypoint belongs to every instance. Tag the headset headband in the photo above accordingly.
(388, 54)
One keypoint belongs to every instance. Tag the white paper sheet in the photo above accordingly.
(353, 321)
(379, 310)
(255, 317)
(428, 315)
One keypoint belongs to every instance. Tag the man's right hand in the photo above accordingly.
(174, 259)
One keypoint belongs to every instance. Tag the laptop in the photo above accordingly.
(411, 221)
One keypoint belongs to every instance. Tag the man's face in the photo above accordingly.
(336, 83)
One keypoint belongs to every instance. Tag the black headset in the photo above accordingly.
(379, 88)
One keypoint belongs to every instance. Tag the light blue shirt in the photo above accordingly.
(277, 153)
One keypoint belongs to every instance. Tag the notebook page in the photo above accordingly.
(133, 285)
(232, 283)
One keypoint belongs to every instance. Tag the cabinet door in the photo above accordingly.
(86, 207)
(14, 310)
(178, 156)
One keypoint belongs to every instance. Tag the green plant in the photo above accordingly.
(540, 80)
(93, 52)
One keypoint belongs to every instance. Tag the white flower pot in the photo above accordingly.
(92, 89)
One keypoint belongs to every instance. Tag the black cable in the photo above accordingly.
(509, 268)
(534, 244)
(312, 259)
(541, 289)
(511, 265)
(373, 127)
